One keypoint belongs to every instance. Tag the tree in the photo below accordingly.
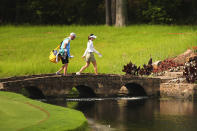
(108, 12)
(113, 11)
(121, 13)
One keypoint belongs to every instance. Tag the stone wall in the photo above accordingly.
(179, 90)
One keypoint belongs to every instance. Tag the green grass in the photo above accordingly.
(25, 49)
(20, 113)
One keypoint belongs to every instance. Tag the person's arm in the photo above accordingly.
(100, 55)
(96, 51)
(68, 49)
(88, 47)
(68, 52)
(85, 53)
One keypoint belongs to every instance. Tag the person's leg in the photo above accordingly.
(84, 67)
(65, 68)
(95, 67)
(60, 69)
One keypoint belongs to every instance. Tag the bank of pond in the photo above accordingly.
(123, 113)
(20, 113)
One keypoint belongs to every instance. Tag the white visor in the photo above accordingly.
(93, 36)
(73, 34)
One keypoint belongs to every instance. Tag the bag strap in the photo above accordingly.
(58, 47)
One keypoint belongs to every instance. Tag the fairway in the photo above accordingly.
(24, 50)
(16, 115)
(20, 113)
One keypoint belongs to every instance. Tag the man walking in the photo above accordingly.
(65, 52)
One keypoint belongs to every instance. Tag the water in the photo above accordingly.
(135, 113)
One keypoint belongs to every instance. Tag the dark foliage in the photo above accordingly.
(190, 70)
(52, 12)
(93, 11)
(132, 69)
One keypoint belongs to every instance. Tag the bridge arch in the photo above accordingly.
(32, 92)
(85, 91)
(133, 89)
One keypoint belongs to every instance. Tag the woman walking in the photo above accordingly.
(65, 53)
(89, 55)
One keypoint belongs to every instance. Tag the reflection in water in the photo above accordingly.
(136, 114)
(180, 107)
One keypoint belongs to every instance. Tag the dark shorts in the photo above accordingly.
(65, 59)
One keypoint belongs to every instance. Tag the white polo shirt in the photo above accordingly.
(90, 48)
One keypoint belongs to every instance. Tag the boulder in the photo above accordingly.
(156, 64)
(182, 58)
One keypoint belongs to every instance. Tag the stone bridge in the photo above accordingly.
(88, 85)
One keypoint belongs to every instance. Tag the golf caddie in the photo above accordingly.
(65, 53)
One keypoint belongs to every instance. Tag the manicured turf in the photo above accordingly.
(25, 49)
(20, 113)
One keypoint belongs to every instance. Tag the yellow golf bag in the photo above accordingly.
(53, 54)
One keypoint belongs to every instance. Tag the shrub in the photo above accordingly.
(156, 15)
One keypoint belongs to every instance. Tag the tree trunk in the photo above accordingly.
(121, 13)
(113, 11)
(108, 12)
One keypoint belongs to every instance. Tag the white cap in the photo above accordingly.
(73, 34)
(92, 36)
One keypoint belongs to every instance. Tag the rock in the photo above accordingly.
(191, 57)
(156, 65)
(174, 74)
(182, 58)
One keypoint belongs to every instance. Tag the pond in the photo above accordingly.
(135, 113)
